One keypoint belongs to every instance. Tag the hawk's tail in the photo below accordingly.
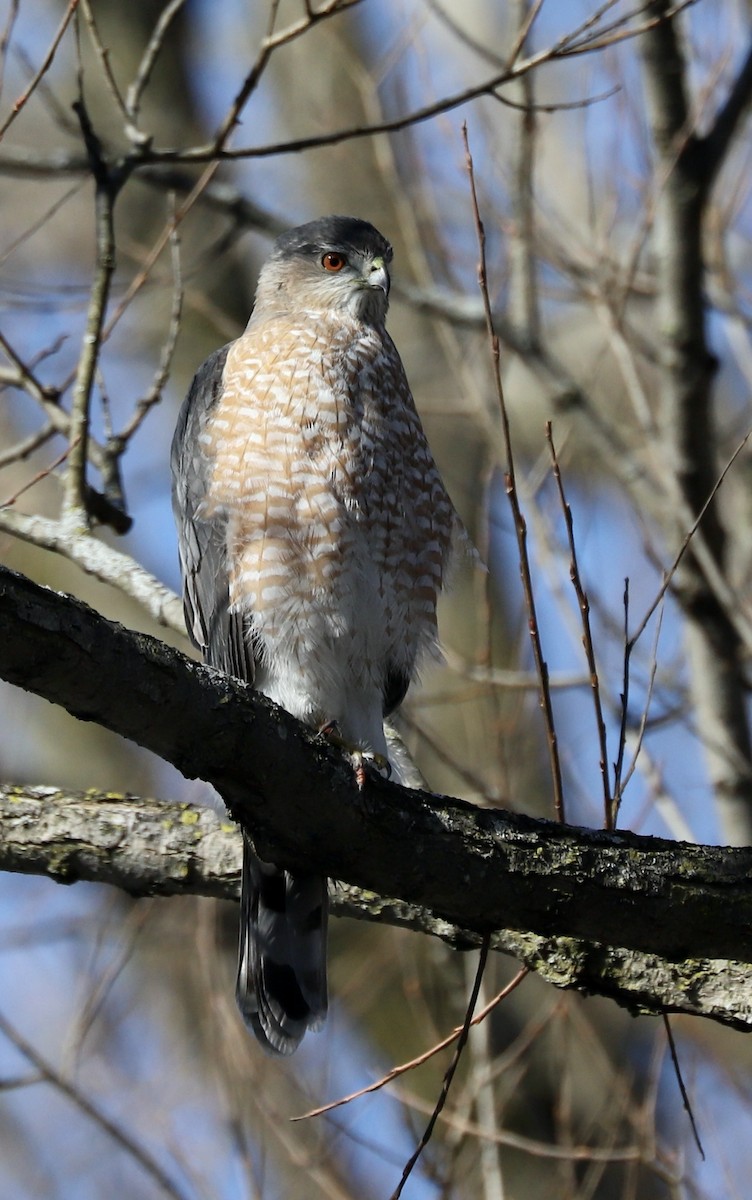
(281, 987)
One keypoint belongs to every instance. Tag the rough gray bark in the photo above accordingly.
(475, 870)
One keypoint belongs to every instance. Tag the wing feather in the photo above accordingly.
(221, 635)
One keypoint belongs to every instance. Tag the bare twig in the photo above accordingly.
(146, 66)
(680, 1081)
(620, 782)
(564, 48)
(540, 1149)
(43, 69)
(5, 39)
(165, 237)
(49, 398)
(75, 514)
(104, 57)
(403, 1068)
(91, 1007)
(41, 221)
(270, 43)
(469, 778)
(587, 636)
(27, 446)
(449, 1076)
(119, 443)
(690, 539)
(519, 520)
(624, 703)
(40, 475)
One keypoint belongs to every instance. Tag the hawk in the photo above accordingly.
(314, 533)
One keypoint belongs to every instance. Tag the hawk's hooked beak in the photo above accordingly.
(377, 276)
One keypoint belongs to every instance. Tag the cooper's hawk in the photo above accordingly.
(314, 532)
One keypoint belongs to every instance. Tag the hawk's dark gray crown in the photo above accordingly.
(347, 234)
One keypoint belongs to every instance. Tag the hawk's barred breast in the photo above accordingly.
(338, 523)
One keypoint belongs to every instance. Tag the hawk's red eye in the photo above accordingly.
(332, 261)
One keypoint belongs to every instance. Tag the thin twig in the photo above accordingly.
(437, 749)
(680, 1081)
(5, 39)
(529, 1145)
(146, 66)
(44, 68)
(27, 446)
(270, 43)
(74, 510)
(624, 704)
(519, 520)
(587, 634)
(561, 50)
(104, 57)
(90, 1008)
(622, 783)
(46, 216)
(29, 382)
(449, 1076)
(691, 533)
(118, 444)
(46, 96)
(403, 1068)
(165, 236)
(40, 475)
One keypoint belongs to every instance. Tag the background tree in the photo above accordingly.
(148, 154)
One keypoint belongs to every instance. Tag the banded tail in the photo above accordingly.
(281, 986)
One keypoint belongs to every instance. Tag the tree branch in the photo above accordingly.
(104, 562)
(718, 139)
(478, 870)
(687, 368)
(151, 848)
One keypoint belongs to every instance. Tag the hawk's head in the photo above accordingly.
(333, 264)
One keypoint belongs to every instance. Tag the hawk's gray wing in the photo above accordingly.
(219, 634)
(281, 983)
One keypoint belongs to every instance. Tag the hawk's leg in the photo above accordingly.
(358, 756)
